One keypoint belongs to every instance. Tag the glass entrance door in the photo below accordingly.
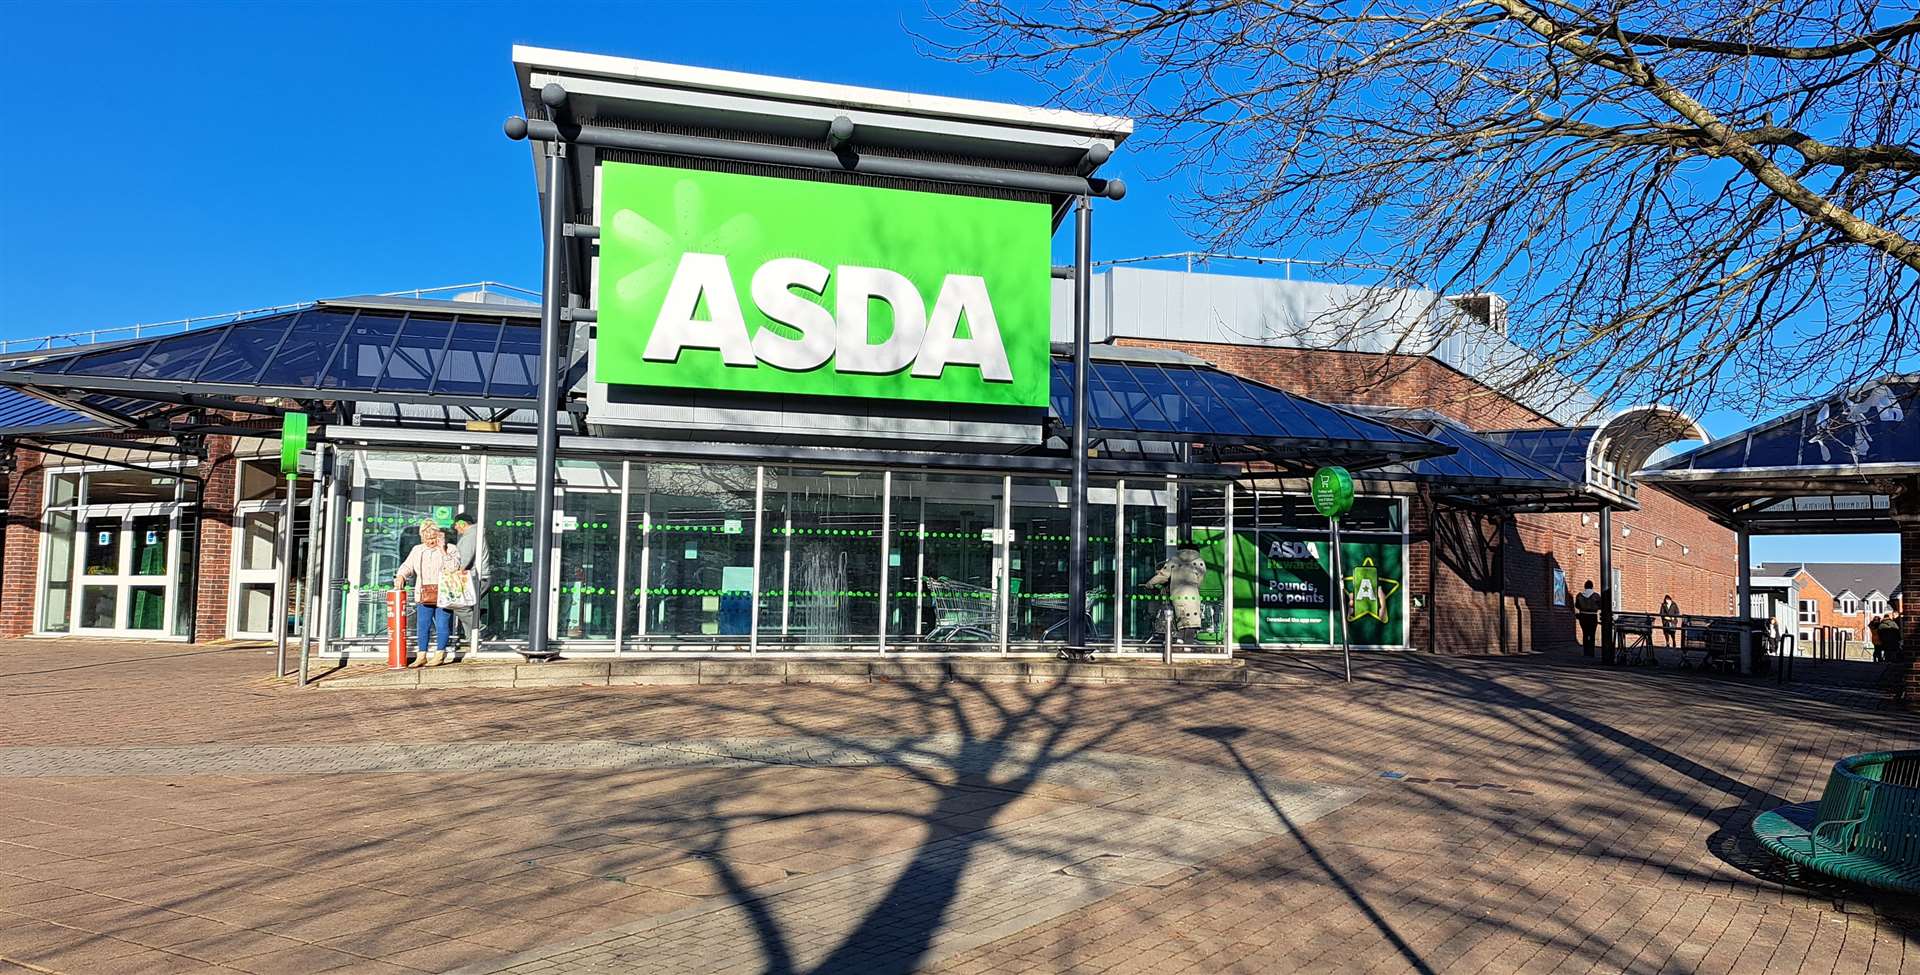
(123, 563)
(586, 589)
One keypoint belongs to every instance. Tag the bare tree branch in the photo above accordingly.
(1700, 201)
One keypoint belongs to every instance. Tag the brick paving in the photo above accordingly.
(170, 809)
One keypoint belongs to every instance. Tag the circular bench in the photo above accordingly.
(1865, 829)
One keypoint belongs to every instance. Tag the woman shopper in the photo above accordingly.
(427, 564)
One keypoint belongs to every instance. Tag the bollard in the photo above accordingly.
(397, 629)
(1166, 630)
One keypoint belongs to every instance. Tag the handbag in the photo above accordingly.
(429, 594)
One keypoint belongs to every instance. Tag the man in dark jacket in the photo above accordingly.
(1586, 609)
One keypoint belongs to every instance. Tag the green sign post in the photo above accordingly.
(766, 285)
(1333, 497)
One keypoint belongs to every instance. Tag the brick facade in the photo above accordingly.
(19, 598)
(1486, 584)
(1906, 670)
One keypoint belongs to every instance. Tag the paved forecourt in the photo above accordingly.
(173, 809)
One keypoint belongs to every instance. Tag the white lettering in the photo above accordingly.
(858, 287)
(772, 292)
(676, 328)
(963, 294)
(927, 342)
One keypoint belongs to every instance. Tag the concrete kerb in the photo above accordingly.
(916, 671)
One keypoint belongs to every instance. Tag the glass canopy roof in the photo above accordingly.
(451, 357)
(1829, 467)
(1198, 404)
(323, 352)
(22, 414)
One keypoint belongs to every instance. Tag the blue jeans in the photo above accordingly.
(434, 620)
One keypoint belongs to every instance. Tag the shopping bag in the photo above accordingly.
(456, 589)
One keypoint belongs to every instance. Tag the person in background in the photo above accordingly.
(1586, 609)
(426, 565)
(1669, 619)
(470, 553)
(1884, 632)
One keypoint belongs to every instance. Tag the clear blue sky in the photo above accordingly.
(187, 158)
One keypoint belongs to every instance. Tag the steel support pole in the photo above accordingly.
(1744, 596)
(310, 605)
(1606, 585)
(552, 299)
(1339, 586)
(1077, 498)
(286, 576)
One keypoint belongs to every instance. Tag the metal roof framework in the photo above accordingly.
(409, 362)
(1602, 458)
(1145, 408)
(1838, 466)
(1480, 473)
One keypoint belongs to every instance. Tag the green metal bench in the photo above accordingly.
(1865, 829)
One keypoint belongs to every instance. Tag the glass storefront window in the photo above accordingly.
(152, 538)
(945, 561)
(397, 492)
(1201, 518)
(253, 611)
(102, 556)
(63, 489)
(700, 552)
(57, 606)
(260, 481)
(147, 608)
(130, 487)
(820, 558)
(99, 607)
(1037, 562)
(259, 539)
(509, 528)
(589, 538)
(1146, 545)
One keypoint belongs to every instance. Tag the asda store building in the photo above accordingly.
(814, 391)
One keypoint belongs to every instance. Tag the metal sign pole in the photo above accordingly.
(1339, 584)
(310, 604)
(553, 298)
(1077, 500)
(286, 575)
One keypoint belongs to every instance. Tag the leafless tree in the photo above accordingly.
(1699, 201)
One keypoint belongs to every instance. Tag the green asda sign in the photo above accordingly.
(766, 285)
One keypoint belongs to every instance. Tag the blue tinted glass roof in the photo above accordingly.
(1875, 424)
(1479, 460)
(1562, 450)
(1198, 404)
(322, 352)
(21, 413)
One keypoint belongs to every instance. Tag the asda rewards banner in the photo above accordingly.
(1295, 592)
(767, 285)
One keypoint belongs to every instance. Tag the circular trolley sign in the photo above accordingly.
(1332, 491)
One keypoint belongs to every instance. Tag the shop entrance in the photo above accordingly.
(124, 556)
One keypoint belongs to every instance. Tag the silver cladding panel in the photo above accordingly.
(1144, 303)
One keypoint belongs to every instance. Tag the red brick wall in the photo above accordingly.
(1358, 377)
(1906, 671)
(22, 547)
(213, 574)
(1467, 568)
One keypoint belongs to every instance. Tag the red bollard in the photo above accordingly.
(397, 629)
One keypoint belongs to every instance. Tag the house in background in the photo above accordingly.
(1841, 595)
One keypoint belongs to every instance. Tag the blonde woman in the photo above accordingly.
(427, 565)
